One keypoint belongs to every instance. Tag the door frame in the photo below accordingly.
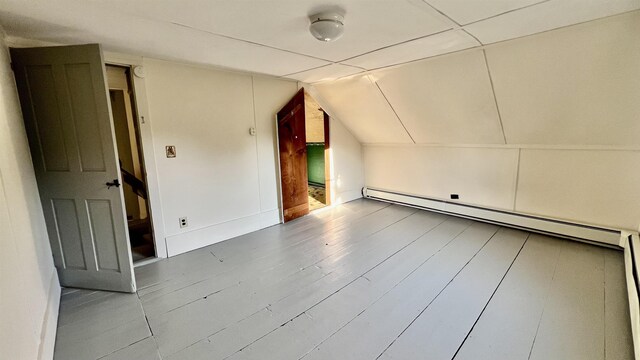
(146, 142)
(328, 189)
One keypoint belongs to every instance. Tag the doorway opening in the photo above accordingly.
(132, 170)
(317, 139)
(304, 154)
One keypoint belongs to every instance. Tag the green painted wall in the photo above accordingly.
(315, 162)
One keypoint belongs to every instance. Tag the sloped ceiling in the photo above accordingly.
(577, 85)
(271, 37)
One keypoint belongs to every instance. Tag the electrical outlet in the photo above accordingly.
(455, 196)
(183, 222)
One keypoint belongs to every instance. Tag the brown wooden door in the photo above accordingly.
(292, 143)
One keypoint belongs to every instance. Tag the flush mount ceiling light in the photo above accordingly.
(326, 26)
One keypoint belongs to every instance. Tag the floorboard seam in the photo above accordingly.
(146, 318)
(320, 225)
(394, 286)
(364, 238)
(124, 347)
(440, 292)
(263, 257)
(533, 343)
(351, 282)
(491, 297)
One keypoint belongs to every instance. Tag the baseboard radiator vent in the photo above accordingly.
(631, 258)
(580, 232)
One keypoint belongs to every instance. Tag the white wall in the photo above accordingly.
(29, 288)
(346, 167)
(481, 176)
(545, 125)
(224, 180)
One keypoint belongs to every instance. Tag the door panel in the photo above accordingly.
(85, 117)
(292, 144)
(46, 116)
(66, 222)
(100, 218)
(66, 110)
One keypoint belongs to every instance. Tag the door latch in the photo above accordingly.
(115, 183)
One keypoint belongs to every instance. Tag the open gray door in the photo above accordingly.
(67, 116)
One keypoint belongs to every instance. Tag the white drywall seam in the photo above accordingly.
(493, 93)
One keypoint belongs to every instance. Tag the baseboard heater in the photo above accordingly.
(580, 232)
(631, 253)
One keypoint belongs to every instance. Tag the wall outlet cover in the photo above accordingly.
(183, 222)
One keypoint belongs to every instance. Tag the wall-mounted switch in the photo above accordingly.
(171, 151)
(183, 222)
(252, 131)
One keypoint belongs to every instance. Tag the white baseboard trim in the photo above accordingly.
(269, 218)
(581, 232)
(631, 262)
(195, 239)
(50, 320)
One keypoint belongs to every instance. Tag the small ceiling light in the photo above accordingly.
(326, 26)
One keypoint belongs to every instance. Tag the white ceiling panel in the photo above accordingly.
(369, 25)
(546, 16)
(358, 103)
(465, 11)
(441, 43)
(446, 100)
(577, 85)
(272, 37)
(325, 73)
(128, 34)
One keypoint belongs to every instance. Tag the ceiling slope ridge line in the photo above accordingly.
(392, 108)
(483, 47)
(561, 27)
(248, 41)
(371, 71)
(495, 98)
(507, 12)
(310, 69)
(441, 12)
(399, 43)
(323, 66)
(473, 36)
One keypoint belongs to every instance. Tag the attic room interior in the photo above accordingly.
(383, 179)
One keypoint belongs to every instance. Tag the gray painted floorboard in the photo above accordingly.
(363, 280)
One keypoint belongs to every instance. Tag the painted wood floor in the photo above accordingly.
(364, 280)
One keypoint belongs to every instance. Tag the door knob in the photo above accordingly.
(115, 183)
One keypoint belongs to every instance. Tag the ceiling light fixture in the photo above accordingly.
(327, 26)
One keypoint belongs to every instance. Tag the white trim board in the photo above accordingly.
(631, 253)
(147, 147)
(195, 239)
(580, 232)
(50, 321)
